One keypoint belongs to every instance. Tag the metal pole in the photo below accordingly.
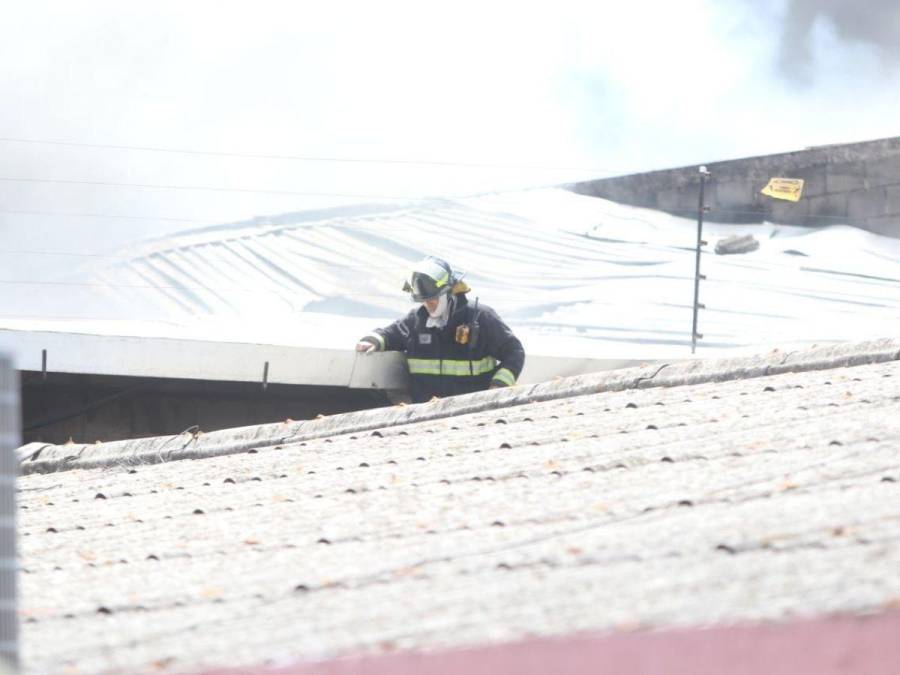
(701, 209)
(9, 468)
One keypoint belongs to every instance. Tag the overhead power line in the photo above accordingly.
(113, 216)
(209, 188)
(304, 158)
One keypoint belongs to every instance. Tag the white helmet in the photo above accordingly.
(430, 278)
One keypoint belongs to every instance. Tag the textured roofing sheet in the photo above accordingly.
(745, 500)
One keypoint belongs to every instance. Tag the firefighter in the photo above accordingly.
(452, 347)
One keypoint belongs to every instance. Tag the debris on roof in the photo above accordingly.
(737, 243)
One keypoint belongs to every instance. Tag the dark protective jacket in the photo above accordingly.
(474, 351)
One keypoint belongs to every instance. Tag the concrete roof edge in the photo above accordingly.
(44, 458)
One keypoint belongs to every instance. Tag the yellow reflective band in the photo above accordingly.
(443, 280)
(456, 368)
(505, 376)
(380, 339)
(424, 366)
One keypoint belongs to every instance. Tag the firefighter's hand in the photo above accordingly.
(365, 347)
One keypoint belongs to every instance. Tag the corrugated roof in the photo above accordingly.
(728, 495)
(574, 275)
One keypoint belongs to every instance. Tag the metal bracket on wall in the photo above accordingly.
(44, 364)
(265, 380)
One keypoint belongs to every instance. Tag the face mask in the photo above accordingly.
(438, 318)
(441, 308)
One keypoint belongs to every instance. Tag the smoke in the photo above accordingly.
(875, 23)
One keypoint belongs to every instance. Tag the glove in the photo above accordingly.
(497, 384)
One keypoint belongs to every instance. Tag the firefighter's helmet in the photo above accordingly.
(430, 278)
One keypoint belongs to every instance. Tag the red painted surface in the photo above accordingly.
(826, 646)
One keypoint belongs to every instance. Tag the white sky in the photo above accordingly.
(610, 87)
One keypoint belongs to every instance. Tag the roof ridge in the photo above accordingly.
(45, 458)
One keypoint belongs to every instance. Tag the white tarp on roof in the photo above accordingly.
(574, 276)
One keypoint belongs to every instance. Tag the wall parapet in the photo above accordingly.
(854, 184)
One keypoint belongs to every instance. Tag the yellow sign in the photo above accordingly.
(784, 188)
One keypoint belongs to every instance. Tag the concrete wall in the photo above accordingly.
(856, 184)
(89, 408)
